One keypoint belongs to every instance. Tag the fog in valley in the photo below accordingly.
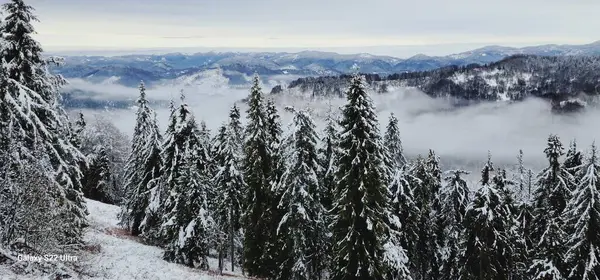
(462, 136)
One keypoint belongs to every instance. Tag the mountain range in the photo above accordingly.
(237, 67)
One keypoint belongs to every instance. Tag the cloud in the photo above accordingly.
(461, 136)
(313, 23)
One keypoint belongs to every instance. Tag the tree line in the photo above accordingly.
(346, 204)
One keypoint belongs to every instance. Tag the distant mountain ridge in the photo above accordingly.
(237, 67)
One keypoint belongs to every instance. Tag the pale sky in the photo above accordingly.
(394, 27)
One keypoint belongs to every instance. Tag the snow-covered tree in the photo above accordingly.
(516, 252)
(98, 180)
(327, 163)
(403, 206)
(303, 226)
(229, 181)
(258, 169)
(34, 119)
(359, 228)
(426, 257)
(393, 142)
(143, 166)
(455, 200)
(188, 223)
(574, 161)
(187, 226)
(553, 190)
(486, 240)
(78, 130)
(583, 217)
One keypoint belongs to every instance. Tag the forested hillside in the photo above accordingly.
(515, 78)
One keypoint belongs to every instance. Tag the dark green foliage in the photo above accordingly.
(359, 228)
(258, 172)
(582, 217)
(487, 240)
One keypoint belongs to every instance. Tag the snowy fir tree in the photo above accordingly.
(181, 147)
(393, 142)
(35, 121)
(425, 257)
(516, 253)
(327, 163)
(486, 241)
(229, 181)
(574, 161)
(143, 166)
(582, 217)
(455, 200)
(98, 180)
(303, 226)
(359, 228)
(553, 190)
(258, 169)
(403, 206)
(188, 222)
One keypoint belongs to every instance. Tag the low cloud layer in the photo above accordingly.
(461, 136)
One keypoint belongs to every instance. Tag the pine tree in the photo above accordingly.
(486, 233)
(37, 122)
(78, 129)
(426, 257)
(229, 181)
(185, 147)
(302, 227)
(143, 166)
(99, 179)
(188, 222)
(393, 142)
(547, 228)
(257, 175)
(327, 160)
(403, 205)
(574, 161)
(583, 216)
(455, 200)
(359, 228)
(516, 252)
(187, 226)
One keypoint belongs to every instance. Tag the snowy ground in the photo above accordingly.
(112, 254)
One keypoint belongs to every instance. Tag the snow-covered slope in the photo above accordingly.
(112, 254)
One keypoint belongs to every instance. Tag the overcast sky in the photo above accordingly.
(397, 27)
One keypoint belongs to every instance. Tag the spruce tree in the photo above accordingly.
(574, 161)
(302, 227)
(327, 161)
(516, 252)
(394, 143)
(229, 181)
(143, 166)
(455, 200)
(188, 223)
(29, 94)
(257, 175)
(99, 179)
(486, 233)
(583, 217)
(359, 228)
(554, 185)
(403, 205)
(426, 257)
